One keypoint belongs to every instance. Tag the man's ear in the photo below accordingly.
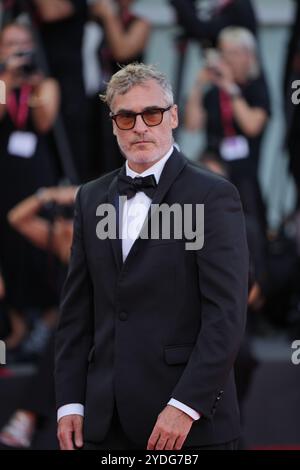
(174, 116)
(114, 125)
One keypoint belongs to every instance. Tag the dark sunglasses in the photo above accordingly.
(151, 117)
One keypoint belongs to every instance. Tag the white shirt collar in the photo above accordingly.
(155, 169)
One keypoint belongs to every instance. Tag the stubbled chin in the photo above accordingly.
(142, 158)
(142, 147)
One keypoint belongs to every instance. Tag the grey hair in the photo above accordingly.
(243, 38)
(240, 36)
(136, 74)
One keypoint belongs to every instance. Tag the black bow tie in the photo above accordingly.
(130, 186)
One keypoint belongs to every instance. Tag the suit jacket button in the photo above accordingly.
(123, 316)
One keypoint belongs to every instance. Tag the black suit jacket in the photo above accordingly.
(166, 323)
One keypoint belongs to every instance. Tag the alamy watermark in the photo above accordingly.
(2, 353)
(2, 92)
(296, 93)
(179, 222)
(296, 353)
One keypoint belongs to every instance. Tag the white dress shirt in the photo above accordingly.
(134, 213)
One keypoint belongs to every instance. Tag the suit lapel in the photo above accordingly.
(172, 169)
(113, 198)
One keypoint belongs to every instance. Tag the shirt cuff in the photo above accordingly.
(186, 409)
(71, 409)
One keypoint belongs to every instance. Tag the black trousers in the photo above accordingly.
(117, 440)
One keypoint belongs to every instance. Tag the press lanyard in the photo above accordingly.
(226, 114)
(18, 111)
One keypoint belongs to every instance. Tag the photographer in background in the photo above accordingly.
(26, 164)
(230, 101)
(58, 26)
(53, 235)
(19, 70)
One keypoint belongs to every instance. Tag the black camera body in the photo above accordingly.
(51, 211)
(31, 65)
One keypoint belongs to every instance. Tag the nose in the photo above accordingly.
(140, 126)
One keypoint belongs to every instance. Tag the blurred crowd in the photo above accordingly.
(55, 134)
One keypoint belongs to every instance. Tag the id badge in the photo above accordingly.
(22, 144)
(234, 148)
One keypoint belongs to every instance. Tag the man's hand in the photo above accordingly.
(223, 78)
(170, 430)
(67, 427)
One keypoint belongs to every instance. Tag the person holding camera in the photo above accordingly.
(55, 236)
(230, 101)
(26, 164)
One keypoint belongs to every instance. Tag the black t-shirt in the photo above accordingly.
(63, 39)
(255, 92)
(25, 268)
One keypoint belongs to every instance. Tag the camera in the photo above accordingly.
(31, 66)
(212, 61)
(52, 210)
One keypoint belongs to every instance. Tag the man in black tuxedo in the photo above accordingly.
(149, 329)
